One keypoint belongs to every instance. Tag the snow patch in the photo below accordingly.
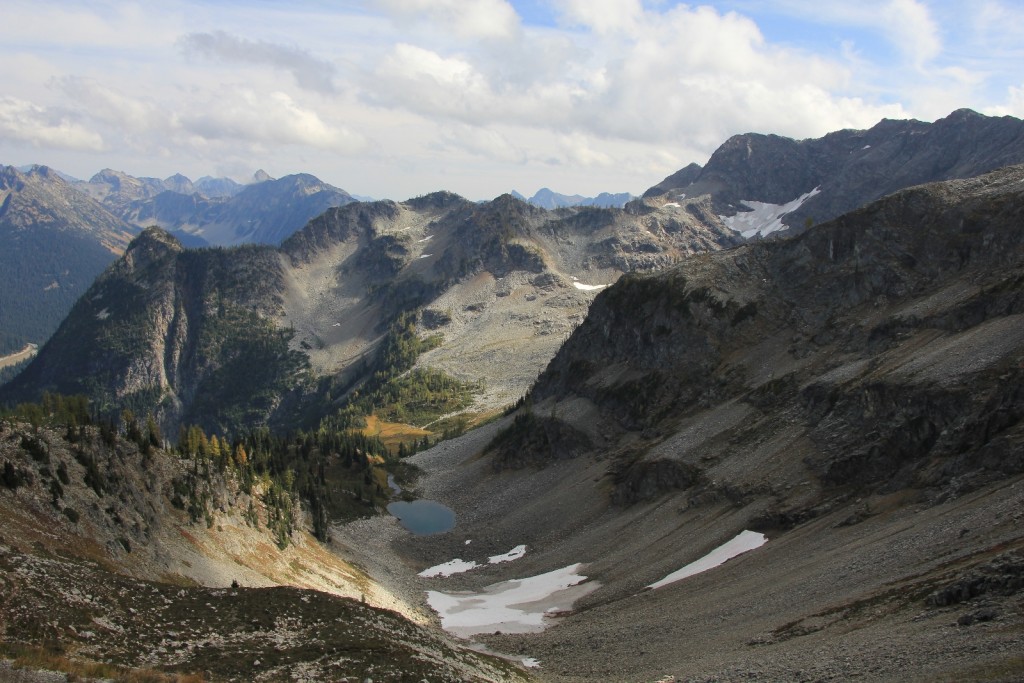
(674, 205)
(745, 541)
(428, 237)
(511, 555)
(459, 566)
(764, 218)
(587, 288)
(103, 315)
(530, 662)
(449, 568)
(425, 255)
(516, 606)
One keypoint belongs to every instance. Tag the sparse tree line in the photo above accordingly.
(335, 474)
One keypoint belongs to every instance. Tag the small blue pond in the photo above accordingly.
(423, 517)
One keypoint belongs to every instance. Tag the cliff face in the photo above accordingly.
(884, 349)
(185, 333)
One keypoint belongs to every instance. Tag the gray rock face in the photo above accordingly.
(850, 167)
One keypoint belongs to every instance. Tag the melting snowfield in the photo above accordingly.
(586, 288)
(764, 218)
(516, 606)
(747, 540)
(458, 566)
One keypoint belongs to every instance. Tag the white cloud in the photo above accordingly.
(26, 122)
(606, 94)
(246, 116)
(309, 72)
(475, 19)
(104, 103)
(603, 16)
(912, 30)
(488, 143)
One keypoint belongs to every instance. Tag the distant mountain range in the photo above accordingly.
(764, 183)
(549, 199)
(217, 211)
(58, 233)
(753, 184)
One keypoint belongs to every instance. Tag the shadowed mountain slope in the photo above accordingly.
(53, 243)
(853, 393)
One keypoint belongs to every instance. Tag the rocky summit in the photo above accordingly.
(764, 183)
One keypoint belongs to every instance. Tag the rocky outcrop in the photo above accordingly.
(185, 334)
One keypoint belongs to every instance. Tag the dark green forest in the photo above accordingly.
(46, 272)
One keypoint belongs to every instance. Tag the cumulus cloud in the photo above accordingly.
(616, 92)
(247, 116)
(105, 103)
(30, 123)
(309, 72)
(678, 74)
(603, 16)
(913, 30)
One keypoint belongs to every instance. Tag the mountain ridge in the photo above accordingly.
(848, 168)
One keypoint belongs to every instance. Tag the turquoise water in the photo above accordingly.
(423, 517)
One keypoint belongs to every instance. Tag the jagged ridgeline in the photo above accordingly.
(333, 323)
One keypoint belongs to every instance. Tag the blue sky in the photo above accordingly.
(395, 98)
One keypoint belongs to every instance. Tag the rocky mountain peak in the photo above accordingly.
(764, 183)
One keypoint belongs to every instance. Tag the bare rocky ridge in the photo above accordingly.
(503, 283)
(853, 393)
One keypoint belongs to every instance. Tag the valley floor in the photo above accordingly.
(880, 589)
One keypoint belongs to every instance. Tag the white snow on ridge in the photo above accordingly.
(764, 218)
(746, 540)
(517, 606)
(587, 288)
